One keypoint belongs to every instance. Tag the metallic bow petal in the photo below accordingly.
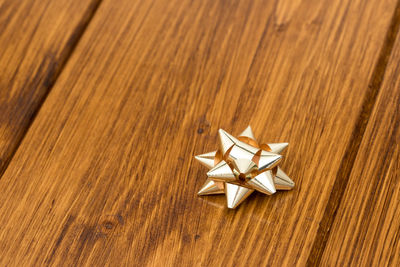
(211, 187)
(264, 183)
(236, 194)
(221, 172)
(282, 181)
(241, 166)
(207, 159)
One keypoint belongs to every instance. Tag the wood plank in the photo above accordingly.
(366, 230)
(36, 38)
(106, 174)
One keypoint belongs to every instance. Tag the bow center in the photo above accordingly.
(242, 176)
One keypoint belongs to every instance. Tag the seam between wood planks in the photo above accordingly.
(65, 55)
(347, 162)
(352, 148)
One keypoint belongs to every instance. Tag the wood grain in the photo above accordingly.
(367, 228)
(105, 174)
(348, 160)
(36, 38)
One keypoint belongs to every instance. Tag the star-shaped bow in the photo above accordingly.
(242, 165)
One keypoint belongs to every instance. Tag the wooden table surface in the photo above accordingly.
(104, 103)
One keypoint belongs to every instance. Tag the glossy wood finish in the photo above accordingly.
(105, 175)
(36, 39)
(367, 228)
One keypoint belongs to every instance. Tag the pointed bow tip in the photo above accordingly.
(225, 134)
(284, 145)
(248, 132)
(201, 193)
(248, 129)
(268, 192)
(205, 161)
(278, 147)
(221, 131)
(271, 189)
(277, 158)
(233, 205)
(226, 140)
(199, 158)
